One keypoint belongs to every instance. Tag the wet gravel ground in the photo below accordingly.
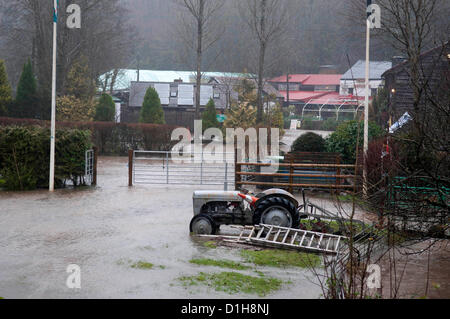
(101, 230)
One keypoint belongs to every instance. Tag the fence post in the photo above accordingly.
(339, 172)
(167, 167)
(130, 167)
(237, 169)
(291, 178)
(226, 176)
(94, 173)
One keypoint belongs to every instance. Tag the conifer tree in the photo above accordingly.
(5, 90)
(209, 117)
(152, 111)
(79, 82)
(78, 102)
(105, 110)
(27, 104)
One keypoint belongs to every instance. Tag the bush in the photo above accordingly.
(330, 125)
(70, 108)
(309, 142)
(113, 139)
(25, 154)
(344, 140)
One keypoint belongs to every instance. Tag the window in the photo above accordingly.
(350, 91)
(216, 95)
(173, 94)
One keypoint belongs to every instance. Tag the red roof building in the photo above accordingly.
(304, 87)
(317, 94)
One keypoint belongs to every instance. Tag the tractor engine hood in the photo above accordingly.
(218, 196)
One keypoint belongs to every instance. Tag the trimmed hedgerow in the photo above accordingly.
(25, 157)
(112, 138)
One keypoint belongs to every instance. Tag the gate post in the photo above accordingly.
(237, 170)
(94, 176)
(130, 167)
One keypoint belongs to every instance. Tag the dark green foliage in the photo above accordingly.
(5, 90)
(27, 103)
(380, 112)
(112, 138)
(106, 109)
(209, 117)
(25, 154)
(330, 124)
(152, 112)
(309, 142)
(344, 140)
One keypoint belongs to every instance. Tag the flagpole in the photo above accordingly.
(366, 100)
(53, 123)
(366, 110)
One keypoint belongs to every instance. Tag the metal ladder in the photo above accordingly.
(281, 237)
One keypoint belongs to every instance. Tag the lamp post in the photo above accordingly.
(53, 121)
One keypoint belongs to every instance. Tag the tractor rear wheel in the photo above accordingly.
(277, 211)
(203, 225)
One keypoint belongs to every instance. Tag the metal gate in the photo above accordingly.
(89, 167)
(153, 167)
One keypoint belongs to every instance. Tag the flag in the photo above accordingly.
(55, 12)
(400, 123)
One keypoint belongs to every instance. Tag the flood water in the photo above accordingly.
(104, 229)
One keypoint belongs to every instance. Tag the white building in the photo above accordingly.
(353, 81)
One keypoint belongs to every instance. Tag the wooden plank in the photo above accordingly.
(325, 176)
(300, 165)
(297, 185)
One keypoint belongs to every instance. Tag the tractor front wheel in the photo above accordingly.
(203, 225)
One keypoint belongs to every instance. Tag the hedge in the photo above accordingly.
(113, 139)
(25, 157)
(309, 142)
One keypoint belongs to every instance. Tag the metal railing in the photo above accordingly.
(156, 167)
(89, 167)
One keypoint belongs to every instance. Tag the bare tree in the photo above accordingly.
(201, 16)
(104, 38)
(267, 20)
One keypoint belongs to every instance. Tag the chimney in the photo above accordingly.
(180, 80)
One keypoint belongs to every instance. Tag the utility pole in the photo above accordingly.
(53, 123)
(373, 21)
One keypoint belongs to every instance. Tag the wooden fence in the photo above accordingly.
(299, 170)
